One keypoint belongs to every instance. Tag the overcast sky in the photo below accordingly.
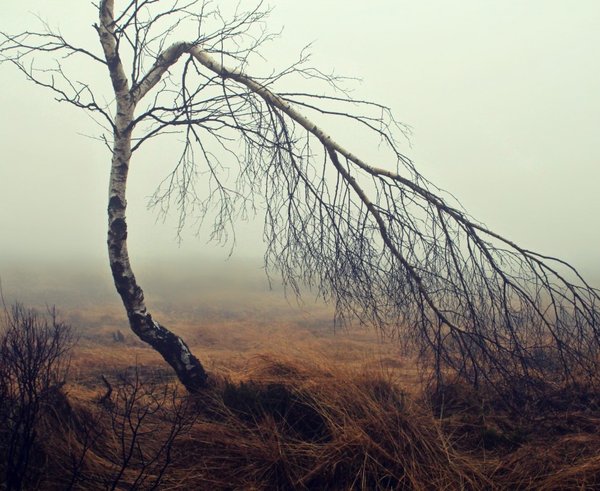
(503, 98)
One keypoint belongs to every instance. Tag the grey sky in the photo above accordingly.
(503, 98)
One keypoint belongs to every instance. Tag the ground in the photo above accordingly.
(295, 403)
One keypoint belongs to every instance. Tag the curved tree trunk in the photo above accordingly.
(172, 348)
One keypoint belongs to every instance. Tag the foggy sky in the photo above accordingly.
(502, 96)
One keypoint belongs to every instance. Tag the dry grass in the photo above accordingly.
(295, 406)
(285, 424)
(281, 425)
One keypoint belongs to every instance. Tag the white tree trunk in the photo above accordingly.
(172, 348)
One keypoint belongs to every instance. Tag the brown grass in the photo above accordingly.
(283, 424)
(295, 406)
(289, 424)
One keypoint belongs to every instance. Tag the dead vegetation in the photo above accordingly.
(274, 422)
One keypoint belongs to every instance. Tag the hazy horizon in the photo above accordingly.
(502, 98)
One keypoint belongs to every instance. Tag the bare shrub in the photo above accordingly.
(126, 439)
(138, 424)
(34, 362)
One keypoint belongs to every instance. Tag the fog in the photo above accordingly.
(502, 98)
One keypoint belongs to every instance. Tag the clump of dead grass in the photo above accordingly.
(286, 424)
(293, 425)
(281, 425)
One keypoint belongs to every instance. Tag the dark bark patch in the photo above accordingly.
(116, 203)
(115, 248)
(118, 229)
(123, 282)
(117, 269)
(190, 372)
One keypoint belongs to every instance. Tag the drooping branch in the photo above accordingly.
(474, 301)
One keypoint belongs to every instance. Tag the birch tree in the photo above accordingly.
(380, 242)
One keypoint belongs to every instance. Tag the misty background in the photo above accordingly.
(502, 97)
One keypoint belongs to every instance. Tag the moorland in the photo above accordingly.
(295, 402)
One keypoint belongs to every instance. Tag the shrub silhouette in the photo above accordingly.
(34, 362)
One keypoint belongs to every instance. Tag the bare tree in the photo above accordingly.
(382, 243)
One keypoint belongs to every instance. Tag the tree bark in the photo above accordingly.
(173, 349)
